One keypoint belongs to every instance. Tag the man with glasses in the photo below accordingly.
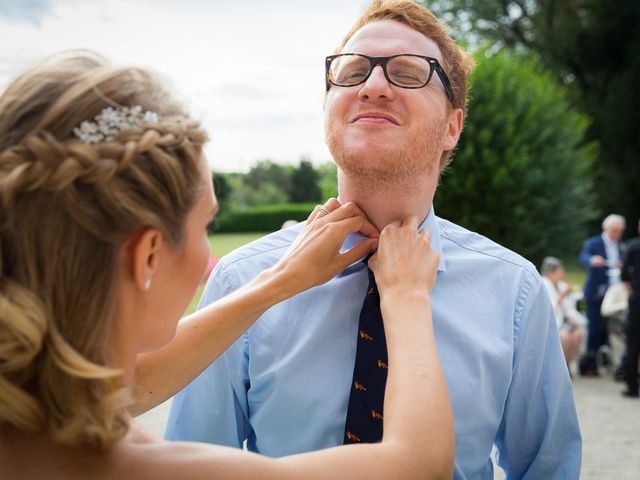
(394, 110)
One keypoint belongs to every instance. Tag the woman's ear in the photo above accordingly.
(145, 252)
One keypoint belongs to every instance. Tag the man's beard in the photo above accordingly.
(393, 166)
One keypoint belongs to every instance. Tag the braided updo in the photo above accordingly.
(66, 209)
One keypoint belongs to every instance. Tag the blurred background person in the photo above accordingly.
(567, 317)
(602, 258)
(631, 277)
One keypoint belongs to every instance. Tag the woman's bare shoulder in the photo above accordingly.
(138, 456)
(160, 459)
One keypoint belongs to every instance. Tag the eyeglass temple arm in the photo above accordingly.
(445, 81)
(327, 66)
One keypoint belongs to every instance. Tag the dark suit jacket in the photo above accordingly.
(597, 278)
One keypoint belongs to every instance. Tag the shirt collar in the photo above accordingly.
(607, 240)
(430, 223)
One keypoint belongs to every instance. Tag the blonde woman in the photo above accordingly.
(105, 198)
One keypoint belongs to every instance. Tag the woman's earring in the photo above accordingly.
(147, 284)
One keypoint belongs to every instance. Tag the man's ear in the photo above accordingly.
(454, 129)
(145, 255)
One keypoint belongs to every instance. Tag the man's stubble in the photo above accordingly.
(395, 166)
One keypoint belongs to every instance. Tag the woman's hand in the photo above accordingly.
(405, 260)
(314, 257)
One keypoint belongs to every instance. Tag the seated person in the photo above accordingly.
(105, 196)
(566, 316)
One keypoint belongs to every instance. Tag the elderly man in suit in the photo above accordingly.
(602, 257)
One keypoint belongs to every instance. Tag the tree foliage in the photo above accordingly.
(221, 188)
(267, 171)
(593, 47)
(304, 185)
(521, 175)
(328, 173)
(268, 183)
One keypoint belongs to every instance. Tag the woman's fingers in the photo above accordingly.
(313, 214)
(373, 261)
(426, 234)
(405, 257)
(337, 232)
(411, 221)
(339, 212)
(358, 252)
(323, 210)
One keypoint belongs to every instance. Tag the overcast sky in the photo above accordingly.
(251, 70)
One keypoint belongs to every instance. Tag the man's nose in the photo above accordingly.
(376, 86)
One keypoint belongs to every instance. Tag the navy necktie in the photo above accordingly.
(364, 414)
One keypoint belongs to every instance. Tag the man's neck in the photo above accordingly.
(393, 202)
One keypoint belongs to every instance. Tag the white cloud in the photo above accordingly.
(252, 70)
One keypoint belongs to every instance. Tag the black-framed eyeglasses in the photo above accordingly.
(405, 70)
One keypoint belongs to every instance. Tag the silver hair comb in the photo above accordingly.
(111, 121)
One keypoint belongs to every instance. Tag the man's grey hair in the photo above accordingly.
(613, 218)
(550, 264)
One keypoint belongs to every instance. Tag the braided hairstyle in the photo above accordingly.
(66, 209)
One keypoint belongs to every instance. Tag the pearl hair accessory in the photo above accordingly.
(111, 121)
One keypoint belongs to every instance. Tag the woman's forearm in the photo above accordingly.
(202, 337)
(416, 382)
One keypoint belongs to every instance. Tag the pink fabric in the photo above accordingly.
(210, 266)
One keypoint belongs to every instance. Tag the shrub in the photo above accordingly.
(267, 218)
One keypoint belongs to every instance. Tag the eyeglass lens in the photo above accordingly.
(403, 70)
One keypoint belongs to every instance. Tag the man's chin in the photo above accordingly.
(365, 161)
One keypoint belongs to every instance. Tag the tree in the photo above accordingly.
(266, 171)
(244, 194)
(521, 175)
(304, 183)
(222, 188)
(593, 47)
(328, 180)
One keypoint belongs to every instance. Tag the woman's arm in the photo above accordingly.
(200, 338)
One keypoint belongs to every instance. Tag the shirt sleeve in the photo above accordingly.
(585, 254)
(539, 435)
(213, 408)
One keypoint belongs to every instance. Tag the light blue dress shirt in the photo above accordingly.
(613, 258)
(284, 385)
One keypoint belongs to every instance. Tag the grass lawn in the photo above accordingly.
(575, 274)
(221, 244)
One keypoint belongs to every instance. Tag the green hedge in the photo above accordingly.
(267, 218)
